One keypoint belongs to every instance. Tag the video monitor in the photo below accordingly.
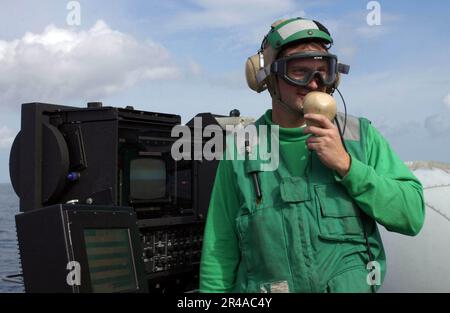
(147, 179)
(110, 260)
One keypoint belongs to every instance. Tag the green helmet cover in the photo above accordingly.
(296, 29)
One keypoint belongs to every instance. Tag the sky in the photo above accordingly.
(186, 57)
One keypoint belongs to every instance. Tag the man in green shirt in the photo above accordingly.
(312, 224)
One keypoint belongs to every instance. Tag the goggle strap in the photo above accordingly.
(343, 68)
(263, 74)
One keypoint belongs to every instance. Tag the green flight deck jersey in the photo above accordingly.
(312, 229)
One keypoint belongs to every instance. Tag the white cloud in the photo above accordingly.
(438, 125)
(233, 80)
(194, 68)
(229, 13)
(351, 30)
(61, 64)
(242, 24)
(7, 136)
(401, 129)
(398, 92)
(447, 101)
(232, 27)
(374, 31)
(371, 32)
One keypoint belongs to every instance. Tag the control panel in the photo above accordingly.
(177, 247)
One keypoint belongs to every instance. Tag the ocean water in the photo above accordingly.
(9, 253)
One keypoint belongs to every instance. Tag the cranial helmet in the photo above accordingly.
(262, 68)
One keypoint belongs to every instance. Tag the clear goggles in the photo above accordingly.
(301, 68)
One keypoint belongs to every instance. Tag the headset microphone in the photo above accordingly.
(319, 103)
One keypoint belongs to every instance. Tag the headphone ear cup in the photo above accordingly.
(252, 67)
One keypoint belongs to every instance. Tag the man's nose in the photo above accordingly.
(314, 83)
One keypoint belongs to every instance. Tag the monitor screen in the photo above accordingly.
(147, 179)
(110, 260)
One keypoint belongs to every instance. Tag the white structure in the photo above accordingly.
(422, 263)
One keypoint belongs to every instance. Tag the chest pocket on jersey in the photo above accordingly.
(294, 189)
(339, 217)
